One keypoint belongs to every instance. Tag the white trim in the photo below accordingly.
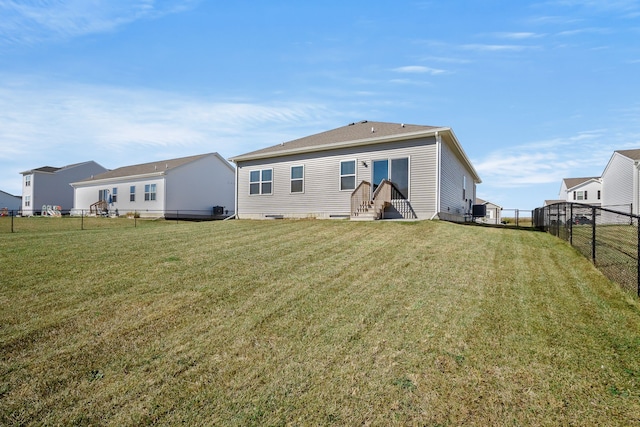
(355, 174)
(260, 182)
(297, 179)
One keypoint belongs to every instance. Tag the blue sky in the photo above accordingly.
(535, 91)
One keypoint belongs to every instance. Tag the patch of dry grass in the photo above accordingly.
(312, 322)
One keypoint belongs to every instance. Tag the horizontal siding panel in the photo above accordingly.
(322, 197)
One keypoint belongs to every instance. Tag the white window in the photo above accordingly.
(261, 181)
(114, 195)
(297, 179)
(27, 180)
(27, 201)
(132, 193)
(348, 175)
(149, 192)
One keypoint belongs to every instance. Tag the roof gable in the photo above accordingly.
(570, 183)
(360, 131)
(157, 167)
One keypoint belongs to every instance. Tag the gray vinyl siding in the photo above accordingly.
(322, 197)
(617, 183)
(452, 204)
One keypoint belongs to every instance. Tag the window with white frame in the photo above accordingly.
(580, 195)
(149, 192)
(297, 179)
(261, 181)
(27, 180)
(27, 201)
(114, 195)
(132, 193)
(348, 175)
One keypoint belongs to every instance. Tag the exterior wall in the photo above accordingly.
(53, 188)
(592, 188)
(322, 197)
(200, 185)
(12, 203)
(618, 183)
(454, 202)
(493, 215)
(87, 194)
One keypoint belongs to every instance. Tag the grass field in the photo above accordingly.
(312, 323)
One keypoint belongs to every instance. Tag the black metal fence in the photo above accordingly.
(608, 237)
(15, 222)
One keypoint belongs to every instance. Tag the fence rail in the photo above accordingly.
(83, 219)
(608, 237)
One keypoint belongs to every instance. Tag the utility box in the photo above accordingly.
(479, 211)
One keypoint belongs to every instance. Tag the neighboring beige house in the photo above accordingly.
(365, 170)
(49, 186)
(493, 212)
(582, 190)
(200, 186)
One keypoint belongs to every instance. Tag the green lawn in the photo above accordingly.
(312, 323)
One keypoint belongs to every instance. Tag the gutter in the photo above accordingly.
(438, 161)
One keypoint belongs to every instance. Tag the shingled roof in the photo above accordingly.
(158, 167)
(360, 132)
(572, 182)
(632, 154)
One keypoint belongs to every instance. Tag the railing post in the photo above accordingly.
(593, 234)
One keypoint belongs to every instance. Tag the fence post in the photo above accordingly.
(638, 254)
(81, 219)
(593, 234)
(571, 224)
(12, 215)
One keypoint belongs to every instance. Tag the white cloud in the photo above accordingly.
(549, 161)
(34, 21)
(419, 69)
(58, 124)
(519, 35)
(495, 47)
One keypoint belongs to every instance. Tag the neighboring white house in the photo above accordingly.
(493, 212)
(49, 186)
(9, 203)
(422, 171)
(582, 190)
(199, 186)
(621, 181)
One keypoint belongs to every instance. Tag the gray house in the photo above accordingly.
(493, 212)
(586, 190)
(200, 186)
(9, 202)
(365, 170)
(621, 181)
(49, 186)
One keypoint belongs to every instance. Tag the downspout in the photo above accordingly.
(636, 187)
(438, 166)
(235, 211)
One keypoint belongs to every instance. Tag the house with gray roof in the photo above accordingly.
(200, 186)
(49, 186)
(493, 212)
(9, 204)
(621, 181)
(587, 190)
(364, 170)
